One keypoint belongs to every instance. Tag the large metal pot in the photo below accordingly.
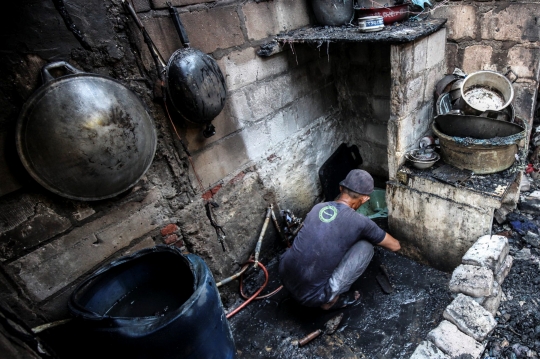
(85, 136)
(479, 144)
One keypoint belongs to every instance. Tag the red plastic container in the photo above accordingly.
(390, 14)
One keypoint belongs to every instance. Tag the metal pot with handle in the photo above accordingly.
(194, 82)
(84, 136)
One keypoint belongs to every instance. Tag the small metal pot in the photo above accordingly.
(486, 90)
(333, 12)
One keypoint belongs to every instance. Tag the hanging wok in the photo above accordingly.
(84, 136)
(194, 82)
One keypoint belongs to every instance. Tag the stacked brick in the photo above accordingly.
(469, 319)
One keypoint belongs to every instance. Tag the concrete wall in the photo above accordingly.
(496, 36)
(280, 123)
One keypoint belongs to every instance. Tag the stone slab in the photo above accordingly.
(470, 317)
(472, 280)
(449, 339)
(52, 267)
(488, 251)
(428, 350)
(504, 270)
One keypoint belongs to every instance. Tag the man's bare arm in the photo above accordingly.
(390, 243)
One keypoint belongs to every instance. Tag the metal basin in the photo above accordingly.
(479, 144)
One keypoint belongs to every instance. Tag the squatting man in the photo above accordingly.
(334, 247)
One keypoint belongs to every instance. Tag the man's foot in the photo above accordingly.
(343, 300)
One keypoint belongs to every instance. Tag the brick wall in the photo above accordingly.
(496, 36)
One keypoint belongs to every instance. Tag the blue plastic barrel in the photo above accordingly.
(156, 303)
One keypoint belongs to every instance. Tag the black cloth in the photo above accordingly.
(330, 230)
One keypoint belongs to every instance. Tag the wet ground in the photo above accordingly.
(381, 326)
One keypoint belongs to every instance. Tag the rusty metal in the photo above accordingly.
(309, 337)
(485, 154)
(85, 136)
(332, 325)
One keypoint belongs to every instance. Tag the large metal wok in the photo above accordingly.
(84, 136)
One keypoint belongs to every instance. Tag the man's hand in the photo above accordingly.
(390, 243)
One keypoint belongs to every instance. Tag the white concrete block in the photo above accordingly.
(470, 317)
(488, 251)
(504, 270)
(449, 339)
(428, 350)
(436, 48)
(491, 304)
(472, 280)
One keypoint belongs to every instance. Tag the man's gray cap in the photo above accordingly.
(358, 181)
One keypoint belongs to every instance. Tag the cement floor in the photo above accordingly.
(381, 326)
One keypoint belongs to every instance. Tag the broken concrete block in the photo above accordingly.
(523, 255)
(504, 270)
(532, 238)
(488, 251)
(491, 304)
(428, 350)
(470, 317)
(472, 280)
(449, 339)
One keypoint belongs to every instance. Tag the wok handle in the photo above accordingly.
(178, 25)
(46, 75)
(513, 73)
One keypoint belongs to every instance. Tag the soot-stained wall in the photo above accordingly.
(280, 123)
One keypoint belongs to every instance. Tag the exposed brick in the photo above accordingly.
(476, 58)
(55, 265)
(470, 317)
(170, 239)
(428, 350)
(488, 251)
(471, 280)
(266, 19)
(449, 339)
(211, 192)
(524, 61)
(216, 28)
(160, 4)
(516, 22)
(169, 229)
(461, 22)
(180, 243)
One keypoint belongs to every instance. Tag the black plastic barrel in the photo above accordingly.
(156, 303)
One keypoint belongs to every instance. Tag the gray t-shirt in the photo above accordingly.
(330, 230)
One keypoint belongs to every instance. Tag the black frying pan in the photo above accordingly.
(194, 82)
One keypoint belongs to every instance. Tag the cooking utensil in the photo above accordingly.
(194, 83)
(370, 23)
(487, 90)
(84, 136)
(493, 149)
